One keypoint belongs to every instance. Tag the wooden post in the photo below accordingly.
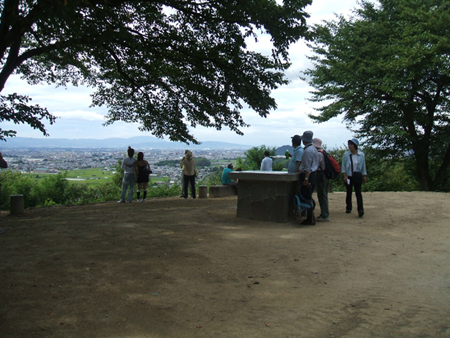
(202, 191)
(17, 205)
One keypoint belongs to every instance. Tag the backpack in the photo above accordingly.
(301, 204)
(332, 167)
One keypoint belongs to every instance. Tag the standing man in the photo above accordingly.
(322, 184)
(296, 158)
(128, 176)
(3, 165)
(308, 175)
(182, 174)
(266, 164)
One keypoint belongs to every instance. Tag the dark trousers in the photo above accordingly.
(307, 193)
(359, 199)
(189, 180)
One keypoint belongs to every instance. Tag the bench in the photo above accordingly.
(222, 191)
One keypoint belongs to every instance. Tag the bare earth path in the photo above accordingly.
(175, 268)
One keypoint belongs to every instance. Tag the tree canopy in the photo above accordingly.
(386, 70)
(166, 64)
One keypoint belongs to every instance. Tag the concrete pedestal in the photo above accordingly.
(17, 205)
(266, 196)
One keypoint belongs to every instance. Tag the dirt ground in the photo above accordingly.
(175, 268)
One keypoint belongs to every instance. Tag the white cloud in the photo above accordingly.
(80, 115)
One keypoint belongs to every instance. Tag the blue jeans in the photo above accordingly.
(127, 182)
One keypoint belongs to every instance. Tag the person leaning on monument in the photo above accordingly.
(308, 174)
(322, 184)
(225, 178)
(296, 158)
(266, 163)
(128, 176)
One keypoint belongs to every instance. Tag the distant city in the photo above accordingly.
(53, 160)
(51, 156)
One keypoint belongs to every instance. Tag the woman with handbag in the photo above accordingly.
(190, 172)
(355, 174)
(143, 171)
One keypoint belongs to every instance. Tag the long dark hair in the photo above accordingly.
(140, 156)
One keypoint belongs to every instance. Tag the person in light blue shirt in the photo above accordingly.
(296, 159)
(355, 174)
(266, 163)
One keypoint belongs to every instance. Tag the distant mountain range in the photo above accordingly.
(139, 142)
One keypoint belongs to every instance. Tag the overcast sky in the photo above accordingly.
(77, 120)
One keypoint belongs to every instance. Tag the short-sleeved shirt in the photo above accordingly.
(225, 178)
(310, 159)
(296, 157)
(266, 164)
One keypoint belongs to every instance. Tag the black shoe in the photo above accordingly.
(348, 211)
(361, 213)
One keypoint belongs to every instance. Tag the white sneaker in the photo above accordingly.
(323, 219)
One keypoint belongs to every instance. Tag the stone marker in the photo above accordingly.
(17, 205)
(202, 191)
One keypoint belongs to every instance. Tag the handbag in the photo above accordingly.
(147, 170)
(357, 177)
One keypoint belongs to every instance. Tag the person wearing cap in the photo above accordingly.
(266, 163)
(296, 159)
(308, 174)
(355, 174)
(322, 184)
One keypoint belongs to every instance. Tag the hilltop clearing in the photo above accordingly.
(175, 268)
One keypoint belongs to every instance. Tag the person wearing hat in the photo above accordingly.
(355, 174)
(308, 174)
(322, 184)
(296, 158)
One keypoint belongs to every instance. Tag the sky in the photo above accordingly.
(79, 121)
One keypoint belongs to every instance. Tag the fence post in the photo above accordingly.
(202, 191)
(17, 205)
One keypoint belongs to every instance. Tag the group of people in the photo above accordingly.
(309, 162)
(131, 168)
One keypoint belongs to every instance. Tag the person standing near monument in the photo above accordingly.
(322, 184)
(266, 163)
(128, 176)
(296, 158)
(308, 175)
